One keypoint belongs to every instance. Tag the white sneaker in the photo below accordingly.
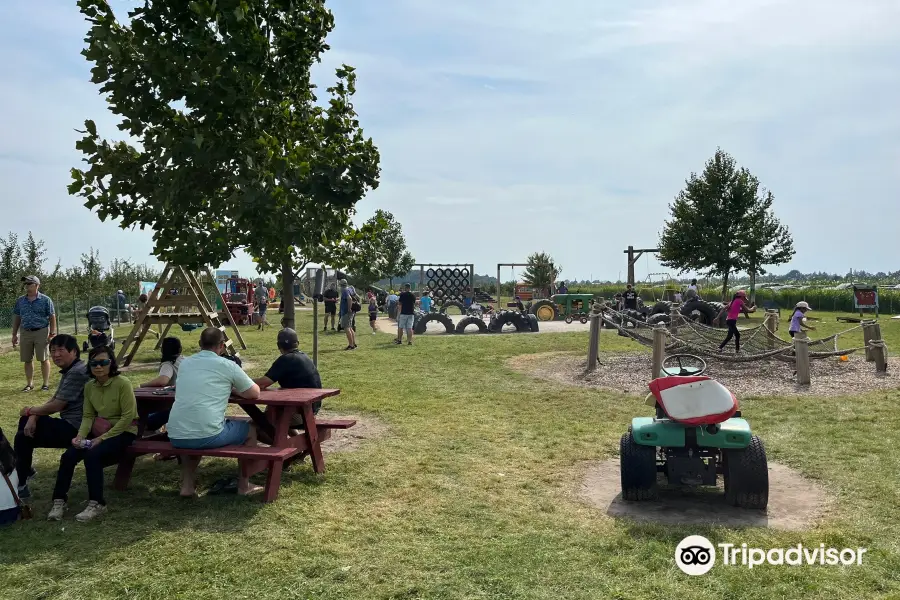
(94, 509)
(58, 510)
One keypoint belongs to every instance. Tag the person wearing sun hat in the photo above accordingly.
(798, 319)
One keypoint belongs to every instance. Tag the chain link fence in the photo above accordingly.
(71, 315)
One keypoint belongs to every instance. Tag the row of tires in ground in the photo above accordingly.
(697, 310)
(523, 323)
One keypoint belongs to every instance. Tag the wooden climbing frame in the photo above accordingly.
(189, 306)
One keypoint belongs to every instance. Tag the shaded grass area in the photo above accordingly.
(469, 496)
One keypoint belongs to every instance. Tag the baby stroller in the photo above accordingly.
(101, 333)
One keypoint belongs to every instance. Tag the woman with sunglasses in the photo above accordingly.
(108, 427)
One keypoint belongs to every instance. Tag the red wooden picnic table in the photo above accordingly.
(281, 405)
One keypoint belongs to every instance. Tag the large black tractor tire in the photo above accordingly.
(459, 305)
(661, 308)
(746, 475)
(509, 317)
(635, 315)
(659, 318)
(542, 309)
(637, 470)
(422, 324)
(707, 312)
(461, 326)
(533, 321)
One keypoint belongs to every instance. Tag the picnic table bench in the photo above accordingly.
(281, 405)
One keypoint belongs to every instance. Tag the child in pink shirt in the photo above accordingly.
(737, 306)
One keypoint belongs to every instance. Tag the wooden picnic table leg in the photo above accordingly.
(312, 436)
(123, 472)
(260, 419)
(273, 480)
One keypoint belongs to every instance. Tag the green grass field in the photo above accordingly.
(468, 494)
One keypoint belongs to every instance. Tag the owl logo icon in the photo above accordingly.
(695, 555)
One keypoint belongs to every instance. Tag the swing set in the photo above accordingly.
(526, 292)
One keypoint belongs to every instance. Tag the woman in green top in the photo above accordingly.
(108, 427)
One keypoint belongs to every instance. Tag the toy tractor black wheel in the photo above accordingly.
(569, 319)
(637, 470)
(583, 320)
(533, 321)
(746, 475)
(545, 310)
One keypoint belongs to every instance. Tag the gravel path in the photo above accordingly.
(630, 374)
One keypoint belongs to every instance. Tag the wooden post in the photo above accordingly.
(315, 356)
(674, 319)
(659, 349)
(497, 308)
(879, 352)
(801, 351)
(868, 336)
(631, 260)
(594, 345)
(771, 324)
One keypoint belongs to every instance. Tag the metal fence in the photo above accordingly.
(71, 315)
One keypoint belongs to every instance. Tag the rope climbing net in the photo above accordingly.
(684, 335)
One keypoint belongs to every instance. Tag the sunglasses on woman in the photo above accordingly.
(100, 363)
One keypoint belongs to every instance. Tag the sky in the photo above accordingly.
(508, 127)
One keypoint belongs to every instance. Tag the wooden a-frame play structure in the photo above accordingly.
(188, 306)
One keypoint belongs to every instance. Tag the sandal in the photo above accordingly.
(27, 388)
(45, 388)
(228, 485)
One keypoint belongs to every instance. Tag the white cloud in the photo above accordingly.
(506, 127)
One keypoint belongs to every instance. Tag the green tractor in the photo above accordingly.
(570, 307)
(696, 435)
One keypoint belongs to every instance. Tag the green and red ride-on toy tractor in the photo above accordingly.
(697, 434)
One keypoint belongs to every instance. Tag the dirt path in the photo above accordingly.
(795, 503)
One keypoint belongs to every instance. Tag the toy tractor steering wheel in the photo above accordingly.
(688, 364)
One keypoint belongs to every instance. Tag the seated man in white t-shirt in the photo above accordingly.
(197, 419)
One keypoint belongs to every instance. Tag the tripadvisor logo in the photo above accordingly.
(696, 555)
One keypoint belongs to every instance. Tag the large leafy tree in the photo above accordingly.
(764, 241)
(234, 151)
(541, 272)
(711, 219)
(397, 261)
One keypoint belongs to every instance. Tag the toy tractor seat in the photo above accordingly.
(693, 400)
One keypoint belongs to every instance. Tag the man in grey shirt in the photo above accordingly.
(37, 429)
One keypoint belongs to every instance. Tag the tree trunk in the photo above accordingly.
(287, 298)
(753, 287)
(725, 287)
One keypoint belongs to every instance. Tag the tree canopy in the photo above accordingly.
(721, 224)
(233, 149)
(541, 272)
